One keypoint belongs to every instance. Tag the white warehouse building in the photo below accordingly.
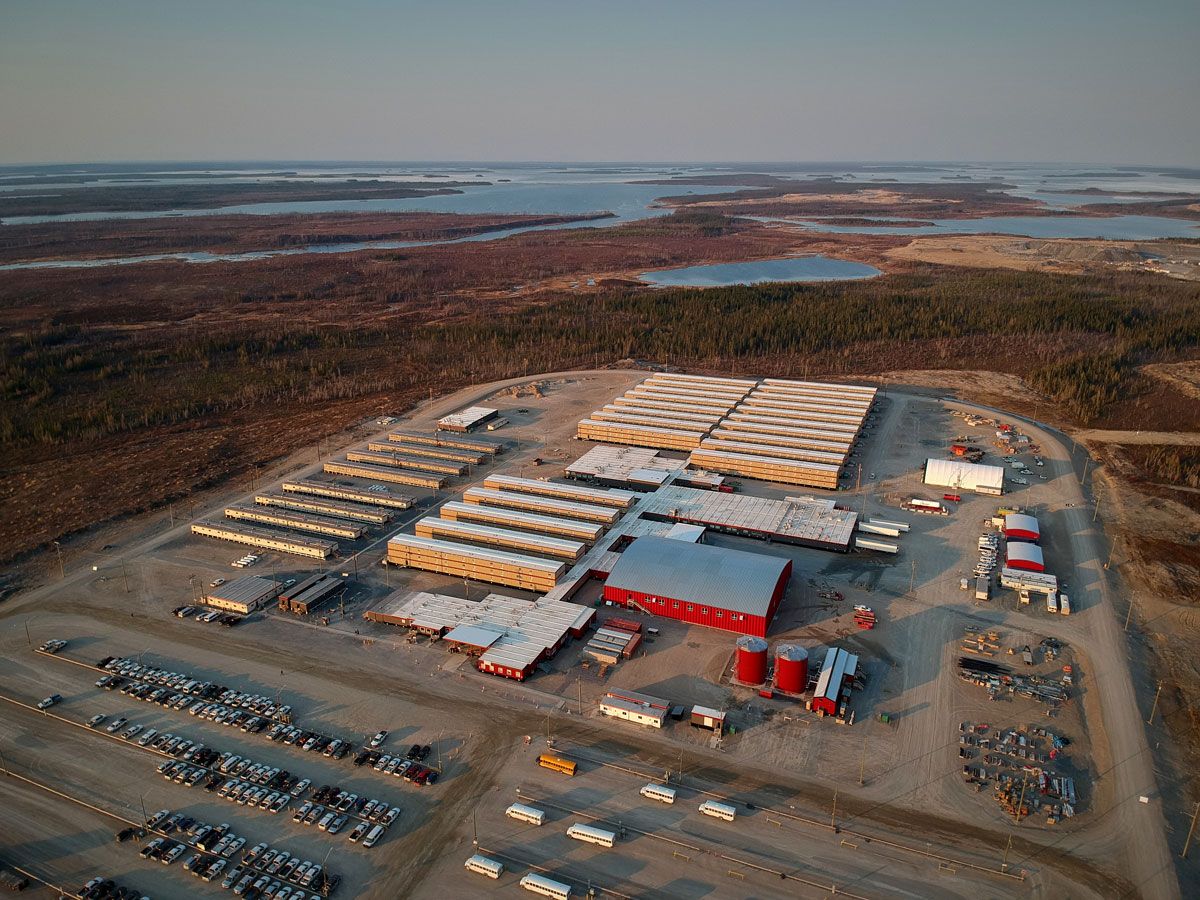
(953, 473)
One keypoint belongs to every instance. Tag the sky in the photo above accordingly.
(1105, 81)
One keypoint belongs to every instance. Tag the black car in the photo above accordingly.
(413, 752)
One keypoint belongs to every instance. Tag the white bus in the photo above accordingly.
(547, 887)
(718, 810)
(484, 866)
(591, 835)
(526, 814)
(658, 792)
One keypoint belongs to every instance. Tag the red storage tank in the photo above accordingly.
(791, 668)
(751, 665)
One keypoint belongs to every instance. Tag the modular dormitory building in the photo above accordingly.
(476, 563)
(296, 520)
(501, 538)
(379, 496)
(767, 468)
(323, 506)
(393, 458)
(383, 473)
(441, 439)
(700, 584)
(525, 521)
(640, 435)
(463, 457)
(266, 539)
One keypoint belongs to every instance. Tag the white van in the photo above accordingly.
(373, 836)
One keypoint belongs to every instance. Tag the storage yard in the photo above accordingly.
(651, 618)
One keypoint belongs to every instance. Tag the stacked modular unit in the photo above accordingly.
(525, 521)
(443, 467)
(383, 473)
(322, 589)
(465, 457)
(598, 496)
(476, 563)
(767, 468)
(782, 437)
(379, 497)
(322, 506)
(523, 542)
(266, 539)
(548, 505)
(476, 445)
(659, 404)
(667, 417)
(639, 435)
(780, 450)
(761, 418)
(296, 520)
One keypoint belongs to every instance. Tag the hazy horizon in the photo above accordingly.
(1107, 82)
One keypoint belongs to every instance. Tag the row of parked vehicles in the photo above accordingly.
(229, 620)
(183, 683)
(262, 872)
(408, 767)
(332, 808)
(101, 888)
(312, 741)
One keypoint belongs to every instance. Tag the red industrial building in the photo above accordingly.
(833, 685)
(1027, 557)
(700, 584)
(1020, 527)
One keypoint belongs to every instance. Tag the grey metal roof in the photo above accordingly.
(698, 573)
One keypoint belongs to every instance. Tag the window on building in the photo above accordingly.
(676, 604)
(690, 607)
(704, 610)
(720, 615)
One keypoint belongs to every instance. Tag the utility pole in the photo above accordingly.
(1128, 615)
(1096, 510)
(474, 830)
(1154, 708)
(912, 582)
(125, 575)
(1004, 861)
(833, 817)
(1021, 801)
(1191, 830)
(62, 572)
(28, 640)
(862, 763)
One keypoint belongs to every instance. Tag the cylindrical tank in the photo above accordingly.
(791, 668)
(751, 664)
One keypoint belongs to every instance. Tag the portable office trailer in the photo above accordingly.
(591, 835)
(639, 435)
(463, 457)
(864, 543)
(524, 542)
(322, 506)
(250, 536)
(876, 528)
(767, 468)
(718, 810)
(442, 467)
(477, 563)
(478, 445)
(620, 708)
(296, 520)
(525, 521)
(779, 450)
(483, 865)
(467, 419)
(380, 497)
(551, 505)
(597, 496)
(383, 473)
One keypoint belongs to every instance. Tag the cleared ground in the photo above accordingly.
(348, 679)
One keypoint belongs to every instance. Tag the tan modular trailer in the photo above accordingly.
(383, 473)
(639, 435)
(478, 445)
(665, 403)
(612, 411)
(266, 539)
(526, 521)
(553, 506)
(465, 457)
(476, 563)
(382, 497)
(811, 415)
(843, 407)
(820, 456)
(680, 394)
(817, 430)
(521, 541)
(406, 462)
(763, 418)
(828, 444)
(663, 420)
(599, 496)
(848, 389)
(783, 393)
(296, 520)
(325, 507)
(767, 468)
(723, 391)
(682, 377)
